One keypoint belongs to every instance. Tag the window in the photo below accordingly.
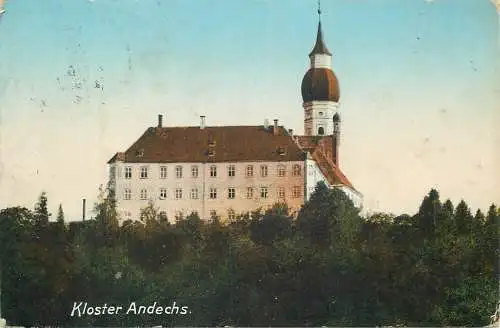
(231, 193)
(213, 171)
(194, 193)
(163, 215)
(163, 172)
(263, 170)
(128, 215)
(320, 113)
(249, 171)
(296, 170)
(179, 215)
(297, 191)
(213, 193)
(263, 192)
(281, 170)
(310, 168)
(231, 170)
(127, 194)
(194, 171)
(178, 171)
(163, 193)
(281, 192)
(231, 215)
(178, 193)
(144, 194)
(321, 131)
(128, 172)
(249, 192)
(213, 214)
(144, 172)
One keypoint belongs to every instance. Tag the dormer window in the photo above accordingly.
(281, 151)
(211, 143)
(211, 153)
(140, 153)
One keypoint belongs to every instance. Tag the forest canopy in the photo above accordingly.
(328, 266)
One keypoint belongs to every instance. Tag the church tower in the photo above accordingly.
(320, 90)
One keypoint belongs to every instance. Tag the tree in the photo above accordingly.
(60, 214)
(106, 222)
(150, 213)
(314, 219)
(327, 212)
(428, 213)
(274, 225)
(463, 217)
(42, 214)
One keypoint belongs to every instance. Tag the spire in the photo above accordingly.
(319, 47)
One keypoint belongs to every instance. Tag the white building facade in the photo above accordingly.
(207, 189)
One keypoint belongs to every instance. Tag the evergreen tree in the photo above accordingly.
(320, 217)
(42, 214)
(479, 218)
(106, 220)
(463, 217)
(428, 213)
(60, 214)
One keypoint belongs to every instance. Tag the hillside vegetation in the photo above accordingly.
(330, 266)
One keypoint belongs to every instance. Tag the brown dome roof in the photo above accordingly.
(320, 84)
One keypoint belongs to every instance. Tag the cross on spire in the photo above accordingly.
(319, 8)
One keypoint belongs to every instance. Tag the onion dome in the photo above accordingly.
(320, 84)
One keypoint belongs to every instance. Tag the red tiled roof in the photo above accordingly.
(211, 144)
(323, 143)
(322, 153)
(332, 173)
(231, 144)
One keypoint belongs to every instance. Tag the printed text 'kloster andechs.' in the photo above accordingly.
(84, 309)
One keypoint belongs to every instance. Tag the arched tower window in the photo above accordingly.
(321, 131)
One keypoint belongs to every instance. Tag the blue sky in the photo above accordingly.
(420, 88)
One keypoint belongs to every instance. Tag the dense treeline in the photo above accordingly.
(330, 266)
